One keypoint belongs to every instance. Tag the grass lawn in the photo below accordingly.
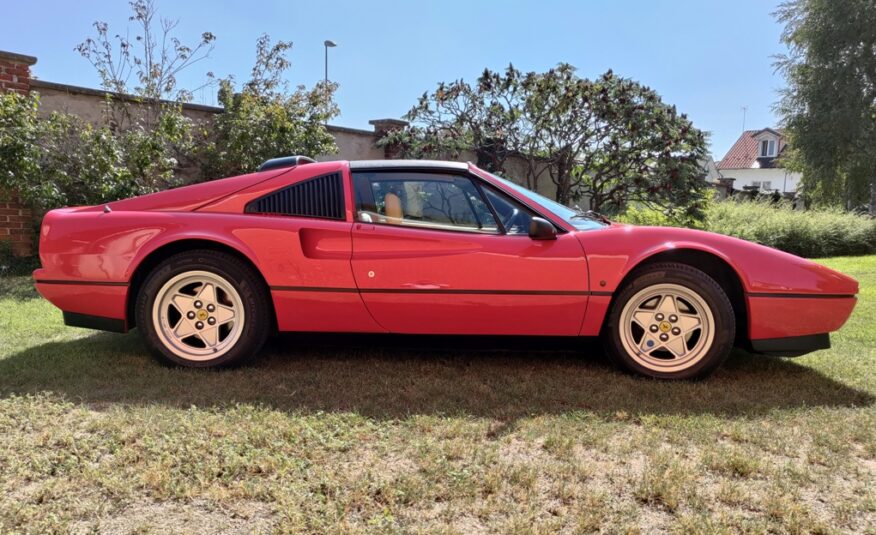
(327, 437)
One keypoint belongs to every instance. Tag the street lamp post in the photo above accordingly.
(328, 44)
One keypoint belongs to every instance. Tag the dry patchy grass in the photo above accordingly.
(375, 434)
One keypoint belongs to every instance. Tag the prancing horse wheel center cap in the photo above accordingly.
(202, 314)
(665, 326)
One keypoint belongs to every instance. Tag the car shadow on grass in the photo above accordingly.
(395, 377)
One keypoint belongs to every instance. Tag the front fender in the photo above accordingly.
(614, 252)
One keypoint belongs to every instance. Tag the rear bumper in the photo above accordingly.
(91, 304)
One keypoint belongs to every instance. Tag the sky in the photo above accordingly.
(709, 58)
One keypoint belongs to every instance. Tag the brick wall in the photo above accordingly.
(16, 225)
(16, 220)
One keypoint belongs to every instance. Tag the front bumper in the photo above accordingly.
(793, 346)
(792, 315)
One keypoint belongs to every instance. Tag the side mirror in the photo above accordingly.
(542, 229)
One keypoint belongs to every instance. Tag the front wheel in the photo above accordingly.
(203, 308)
(671, 322)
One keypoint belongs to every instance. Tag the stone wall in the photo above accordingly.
(90, 105)
(16, 220)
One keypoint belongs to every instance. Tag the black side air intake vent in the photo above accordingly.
(322, 196)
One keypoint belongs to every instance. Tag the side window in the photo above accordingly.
(426, 200)
(515, 217)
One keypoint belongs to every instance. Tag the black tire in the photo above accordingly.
(254, 297)
(693, 280)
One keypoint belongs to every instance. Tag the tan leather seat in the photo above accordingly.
(393, 206)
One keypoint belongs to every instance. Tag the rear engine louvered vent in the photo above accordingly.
(322, 196)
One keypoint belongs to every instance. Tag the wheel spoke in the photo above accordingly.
(223, 314)
(183, 329)
(643, 318)
(649, 343)
(677, 346)
(210, 336)
(183, 303)
(207, 293)
(688, 323)
(667, 305)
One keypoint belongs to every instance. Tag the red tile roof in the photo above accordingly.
(744, 152)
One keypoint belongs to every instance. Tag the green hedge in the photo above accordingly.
(811, 233)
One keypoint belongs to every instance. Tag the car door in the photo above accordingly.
(432, 255)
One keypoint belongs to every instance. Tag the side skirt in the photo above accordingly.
(86, 321)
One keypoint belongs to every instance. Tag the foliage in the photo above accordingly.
(264, 120)
(19, 151)
(815, 233)
(829, 106)
(64, 161)
(610, 140)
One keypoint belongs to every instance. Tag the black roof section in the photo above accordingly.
(359, 165)
(285, 161)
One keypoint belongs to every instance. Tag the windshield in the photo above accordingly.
(574, 217)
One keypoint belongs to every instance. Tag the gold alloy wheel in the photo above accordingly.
(667, 327)
(198, 315)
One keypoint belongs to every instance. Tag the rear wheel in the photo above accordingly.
(203, 308)
(671, 322)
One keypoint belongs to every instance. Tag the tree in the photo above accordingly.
(265, 120)
(639, 150)
(829, 106)
(155, 57)
(457, 117)
(610, 140)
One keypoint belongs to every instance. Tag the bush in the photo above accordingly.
(65, 161)
(812, 233)
(647, 217)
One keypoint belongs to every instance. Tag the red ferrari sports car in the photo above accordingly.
(209, 271)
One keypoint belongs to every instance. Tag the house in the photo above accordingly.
(754, 162)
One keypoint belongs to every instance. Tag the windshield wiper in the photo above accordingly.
(590, 214)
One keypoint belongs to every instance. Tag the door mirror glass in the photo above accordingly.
(542, 229)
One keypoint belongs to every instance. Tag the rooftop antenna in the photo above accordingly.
(744, 109)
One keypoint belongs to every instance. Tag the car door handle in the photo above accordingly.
(364, 227)
(424, 286)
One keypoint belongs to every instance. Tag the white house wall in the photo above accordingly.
(780, 179)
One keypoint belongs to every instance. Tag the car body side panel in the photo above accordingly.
(420, 281)
(597, 308)
(309, 255)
